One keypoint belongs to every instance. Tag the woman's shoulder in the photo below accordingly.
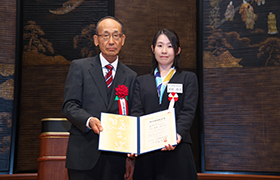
(186, 77)
(186, 73)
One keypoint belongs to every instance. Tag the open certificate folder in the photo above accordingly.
(138, 135)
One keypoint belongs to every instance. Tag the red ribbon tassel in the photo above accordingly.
(123, 109)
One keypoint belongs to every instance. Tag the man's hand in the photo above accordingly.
(95, 125)
(130, 163)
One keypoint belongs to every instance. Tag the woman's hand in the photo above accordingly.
(131, 155)
(171, 148)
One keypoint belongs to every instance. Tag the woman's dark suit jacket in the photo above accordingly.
(86, 95)
(146, 100)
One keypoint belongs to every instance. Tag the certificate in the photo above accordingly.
(138, 135)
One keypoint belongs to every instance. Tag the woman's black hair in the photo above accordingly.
(174, 39)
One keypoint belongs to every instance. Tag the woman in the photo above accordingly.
(150, 95)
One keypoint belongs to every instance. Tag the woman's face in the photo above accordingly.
(164, 52)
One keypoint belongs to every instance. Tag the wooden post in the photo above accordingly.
(53, 146)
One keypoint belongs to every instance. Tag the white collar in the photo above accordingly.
(104, 62)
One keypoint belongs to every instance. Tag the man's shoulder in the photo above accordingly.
(127, 69)
(85, 60)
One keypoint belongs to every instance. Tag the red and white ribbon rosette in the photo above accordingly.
(121, 96)
(172, 97)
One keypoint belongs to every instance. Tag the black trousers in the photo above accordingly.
(101, 171)
(166, 165)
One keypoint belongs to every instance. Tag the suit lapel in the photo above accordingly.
(151, 83)
(97, 76)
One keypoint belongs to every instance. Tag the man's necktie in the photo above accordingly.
(109, 76)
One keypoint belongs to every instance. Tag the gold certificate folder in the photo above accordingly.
(138, 135)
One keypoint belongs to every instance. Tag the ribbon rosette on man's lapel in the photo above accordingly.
(121, 96)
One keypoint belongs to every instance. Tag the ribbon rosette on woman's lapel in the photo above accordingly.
(172, 97)
(121, 96)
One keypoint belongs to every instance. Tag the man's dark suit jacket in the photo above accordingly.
(146, 100)
(86, 95)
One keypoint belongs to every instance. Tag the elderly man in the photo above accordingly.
(90, 90)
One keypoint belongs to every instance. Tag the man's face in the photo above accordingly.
(109, 44)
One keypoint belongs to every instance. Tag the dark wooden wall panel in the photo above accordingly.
(43, 77)
(7, 72)
(42, 97)
(143, 18)
(241, 119)
(7, 31)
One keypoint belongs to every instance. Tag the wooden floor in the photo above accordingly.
(208, 176)
(25, 176)
(201, 176)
